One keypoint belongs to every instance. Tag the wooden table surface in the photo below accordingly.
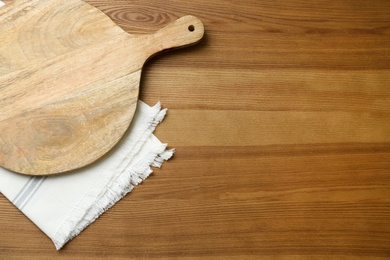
(281, 123)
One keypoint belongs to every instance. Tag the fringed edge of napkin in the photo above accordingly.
(84, 213)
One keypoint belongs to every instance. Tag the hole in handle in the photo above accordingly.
(191, 28)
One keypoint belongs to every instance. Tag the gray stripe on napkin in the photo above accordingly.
(22, 190)
(28, 191)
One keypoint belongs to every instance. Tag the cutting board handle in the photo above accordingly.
(183, 32)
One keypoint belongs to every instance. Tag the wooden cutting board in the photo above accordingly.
(69, 81)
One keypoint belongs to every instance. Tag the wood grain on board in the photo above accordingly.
(70, 81)
(280, 120)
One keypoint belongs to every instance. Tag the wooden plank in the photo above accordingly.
(246, 128)
(280, 120)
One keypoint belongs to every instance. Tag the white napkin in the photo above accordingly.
(62, 206)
